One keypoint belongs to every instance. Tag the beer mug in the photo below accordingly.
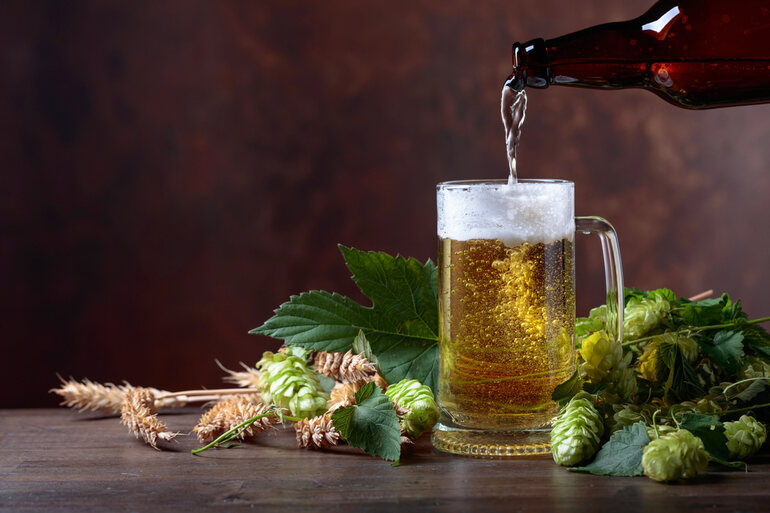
(507, 311)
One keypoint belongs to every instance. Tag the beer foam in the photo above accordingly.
(521, 212)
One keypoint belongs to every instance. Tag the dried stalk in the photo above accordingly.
(248, 378)
(138, 413)
(108, 398)
(703, 295)
(317, 433)
(229, 413)
(345, 368)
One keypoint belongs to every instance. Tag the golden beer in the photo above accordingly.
(507, 318)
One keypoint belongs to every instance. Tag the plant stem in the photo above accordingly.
(697, 329)
(752, 407)
(234, 432)
(216, 391)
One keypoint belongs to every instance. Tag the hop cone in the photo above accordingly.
(674, 456)
(596, 320)
(754, 367)
(744, 437)
(621, 382)
(706, 405)
(418, 399)
(287, 381)
(662, 430)
(625, 415)
(643, 315)
(601, 354)
(651, 367)
(576, 433)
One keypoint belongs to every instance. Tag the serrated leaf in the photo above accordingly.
(567, 390)
(702, 313)
(621, 455)
(401, 325)
(725, 349)
(711, 432)
(362, 347)
(371, 424)
(756, 338)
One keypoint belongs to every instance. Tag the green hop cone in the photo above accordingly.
(596, 321)
(674, 456)
(418, 399)
(651, 367)
(754, 367)
(601, 354)
(621, 382)
(640, 316)
(745, 436)
(576, 433)
(662, 430)
(287, 381)
(625, 415)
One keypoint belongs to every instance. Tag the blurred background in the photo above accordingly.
(173, 171)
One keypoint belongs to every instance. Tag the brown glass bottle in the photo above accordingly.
(695, 54)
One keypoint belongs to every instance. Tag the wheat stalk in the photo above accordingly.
(317, 433)
(93, 396)
(248, 378)
(344, 367)
(138, 413)
(229, 413)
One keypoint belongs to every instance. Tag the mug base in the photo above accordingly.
(491, 444)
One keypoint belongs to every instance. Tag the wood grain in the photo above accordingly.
(57, 460)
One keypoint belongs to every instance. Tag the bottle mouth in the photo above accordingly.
(518, 78)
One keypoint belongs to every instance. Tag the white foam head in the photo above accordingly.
(526, 211)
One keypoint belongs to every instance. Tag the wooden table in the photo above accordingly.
(54, 460)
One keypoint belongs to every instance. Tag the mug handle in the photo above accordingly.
(613, 269)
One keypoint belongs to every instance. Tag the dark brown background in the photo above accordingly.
(173, 171)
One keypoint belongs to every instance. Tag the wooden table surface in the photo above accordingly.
(55, 460)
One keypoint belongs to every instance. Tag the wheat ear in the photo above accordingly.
(229, 413)
(317, 433)
(138, 413)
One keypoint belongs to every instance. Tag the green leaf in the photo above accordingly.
(710, 431)
(362, 347)
(401, 325)
(702, 313)
(371, 424)
(621, 455)
(565, 391)
(726, 349)
(756, 339)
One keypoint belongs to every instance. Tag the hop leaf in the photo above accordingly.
(601, 354)
(674, 456)
(745, 436)
(401, 325)
(576, 433)
(418, 399)
(642, 315)
(287, 381)
(371, 424)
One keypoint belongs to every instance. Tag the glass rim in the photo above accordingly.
(460, 184)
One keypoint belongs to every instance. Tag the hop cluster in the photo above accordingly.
(673, 456)
(604, 363)
(745, 436)
(287, 381)
(651, 364)
(601, 354)
(576, 433)
(641, 316)
(418, 406)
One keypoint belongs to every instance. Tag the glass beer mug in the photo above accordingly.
(507, 311)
